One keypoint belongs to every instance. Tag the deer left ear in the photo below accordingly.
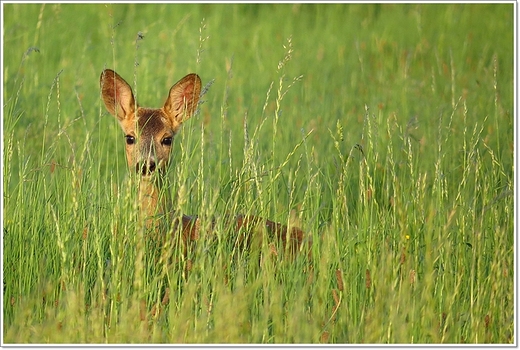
(183, 99)
(117, 95)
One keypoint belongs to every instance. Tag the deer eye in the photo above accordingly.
(130, 140)
(167, 141)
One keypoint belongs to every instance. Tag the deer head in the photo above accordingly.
(149, 132)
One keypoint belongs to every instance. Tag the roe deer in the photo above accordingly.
(149, 134)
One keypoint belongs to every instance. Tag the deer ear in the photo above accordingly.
(117, 94)
(183, 99)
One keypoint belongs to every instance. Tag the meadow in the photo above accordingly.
(386, 132)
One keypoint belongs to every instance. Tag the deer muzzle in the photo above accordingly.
(146, 167)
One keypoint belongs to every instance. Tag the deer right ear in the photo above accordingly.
(117, 94)
(183, 99)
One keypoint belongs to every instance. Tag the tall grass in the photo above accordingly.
(384, 131)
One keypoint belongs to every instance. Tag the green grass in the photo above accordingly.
(385, 131)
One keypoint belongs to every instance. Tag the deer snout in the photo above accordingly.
(146, 167)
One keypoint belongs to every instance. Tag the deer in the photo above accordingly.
(149, 134)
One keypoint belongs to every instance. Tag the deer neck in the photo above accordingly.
(152, 199)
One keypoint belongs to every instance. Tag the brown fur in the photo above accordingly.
(149, 134)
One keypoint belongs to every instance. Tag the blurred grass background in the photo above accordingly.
(405, 182)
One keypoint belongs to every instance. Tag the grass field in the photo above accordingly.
(384, 131)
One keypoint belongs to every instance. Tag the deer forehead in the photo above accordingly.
(151, 123)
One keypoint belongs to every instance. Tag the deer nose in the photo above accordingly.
(146, 167)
